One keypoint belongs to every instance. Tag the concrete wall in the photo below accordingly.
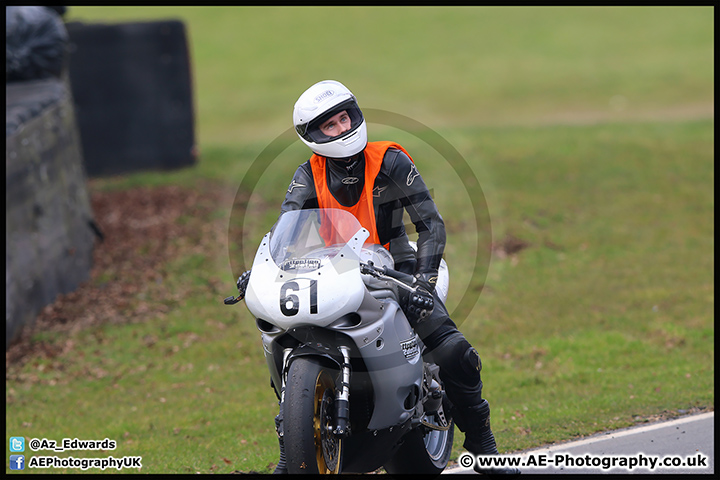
(48, 236)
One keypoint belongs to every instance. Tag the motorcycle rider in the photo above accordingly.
(376, 181)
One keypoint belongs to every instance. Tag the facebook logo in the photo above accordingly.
(17, 444)
(17, 462)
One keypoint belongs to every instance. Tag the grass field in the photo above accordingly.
(591, 132)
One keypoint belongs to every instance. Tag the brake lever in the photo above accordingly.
(231, 300)
(370, 269)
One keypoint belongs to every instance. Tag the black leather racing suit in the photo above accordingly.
(399, 187)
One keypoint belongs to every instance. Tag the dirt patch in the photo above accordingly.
(142, 229)
(509, 246)
(666, 415)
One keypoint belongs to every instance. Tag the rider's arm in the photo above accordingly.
(301, 191)
(416, 200)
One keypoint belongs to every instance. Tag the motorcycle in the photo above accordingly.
(355, 392)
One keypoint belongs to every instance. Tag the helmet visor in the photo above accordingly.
(311, 130)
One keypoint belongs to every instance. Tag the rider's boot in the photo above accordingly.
(281, 467)
(479, 439)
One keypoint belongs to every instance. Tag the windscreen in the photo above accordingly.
(301, 238)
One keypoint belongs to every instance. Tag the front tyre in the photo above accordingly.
(308, 418)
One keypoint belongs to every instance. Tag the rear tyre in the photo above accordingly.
(308, 418)
(424, 451)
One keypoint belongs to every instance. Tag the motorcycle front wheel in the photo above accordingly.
(308, 418)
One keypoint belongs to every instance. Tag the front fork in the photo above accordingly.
(283, 381)
(342, 397)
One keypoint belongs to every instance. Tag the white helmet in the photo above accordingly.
(315, 106)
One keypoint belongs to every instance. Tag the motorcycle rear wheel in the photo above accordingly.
(308, 418)
(423, 451)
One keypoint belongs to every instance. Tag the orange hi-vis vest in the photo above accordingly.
(363, 210)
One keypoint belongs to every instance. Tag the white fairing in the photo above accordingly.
(301, 277)
(314, 286)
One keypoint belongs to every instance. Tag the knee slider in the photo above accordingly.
(455, 354)
(471, 360)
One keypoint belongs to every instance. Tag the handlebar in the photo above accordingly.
(401, 279)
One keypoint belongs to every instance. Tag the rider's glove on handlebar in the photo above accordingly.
(242, 283)
(421, 301)
(427, 280)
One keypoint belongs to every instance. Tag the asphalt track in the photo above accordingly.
(686, 440)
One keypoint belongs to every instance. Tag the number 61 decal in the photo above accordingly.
(290, 303)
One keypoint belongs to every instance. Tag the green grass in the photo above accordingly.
(440, 65)
(591, 131)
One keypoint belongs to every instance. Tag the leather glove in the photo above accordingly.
(421, 303)
(242, 283)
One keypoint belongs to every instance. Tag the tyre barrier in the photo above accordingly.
(132, 87)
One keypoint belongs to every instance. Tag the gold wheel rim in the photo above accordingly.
(323, 427)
